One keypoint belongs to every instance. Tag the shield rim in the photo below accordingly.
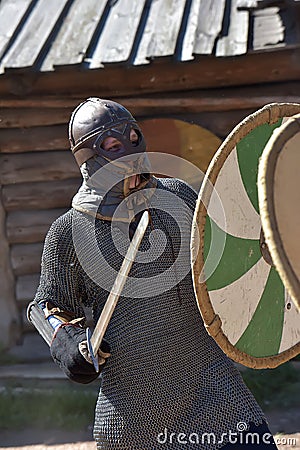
(266, 172)
(270, 113)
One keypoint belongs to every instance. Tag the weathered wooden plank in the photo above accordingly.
(73, 39)
(209, 26)
(195, 101)
(26, 258)
(258, 4)
(247, 4)
(37, 166)
(24, 117)
(11, 13)
(191, 29)
(26, 286)
(16, 140)
(9, 320)
(116, 40)
(268, 28)
(34, 33)
(236, 41)
(40, 195)
(161, 30)
(30, 226)
(218, 101)
(45, 101)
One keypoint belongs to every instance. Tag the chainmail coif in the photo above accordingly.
(165, 374)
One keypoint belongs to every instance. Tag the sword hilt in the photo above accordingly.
(91, 351)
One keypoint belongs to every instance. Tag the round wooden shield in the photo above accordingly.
(279, 202)
(241, 297)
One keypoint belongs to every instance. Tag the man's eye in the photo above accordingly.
(114, 147)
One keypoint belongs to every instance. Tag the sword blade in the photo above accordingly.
(95, 340)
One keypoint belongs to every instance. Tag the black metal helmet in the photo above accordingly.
(94, 120)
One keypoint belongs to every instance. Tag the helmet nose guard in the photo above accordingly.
(94, 120)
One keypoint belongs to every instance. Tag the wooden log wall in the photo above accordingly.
(9, 317)
(39, 176)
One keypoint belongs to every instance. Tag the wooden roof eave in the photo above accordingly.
(163, 74)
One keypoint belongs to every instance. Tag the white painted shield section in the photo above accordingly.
(291, 324)
(242, 220)
(237, 302)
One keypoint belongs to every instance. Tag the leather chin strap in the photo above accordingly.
(83, 154)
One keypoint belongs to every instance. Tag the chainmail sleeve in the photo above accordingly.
(61, 280)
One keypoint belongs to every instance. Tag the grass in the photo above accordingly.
(65, 408)
(70, 406)
(274, 388)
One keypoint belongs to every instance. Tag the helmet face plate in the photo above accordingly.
(96, 119)
(122, 136)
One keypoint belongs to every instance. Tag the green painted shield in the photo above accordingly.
(241, 297)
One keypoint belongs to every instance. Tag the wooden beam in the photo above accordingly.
(40, 195)
(197, 104)
(26, 286)
(43, 102)
(49, 110)
(26, 258)
(37, 166)
(24, 227)
(26, 116)
(36, 138)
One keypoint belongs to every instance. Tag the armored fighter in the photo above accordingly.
(164, 381)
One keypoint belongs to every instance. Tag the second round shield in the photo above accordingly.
(279, 201)
(243, 302)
